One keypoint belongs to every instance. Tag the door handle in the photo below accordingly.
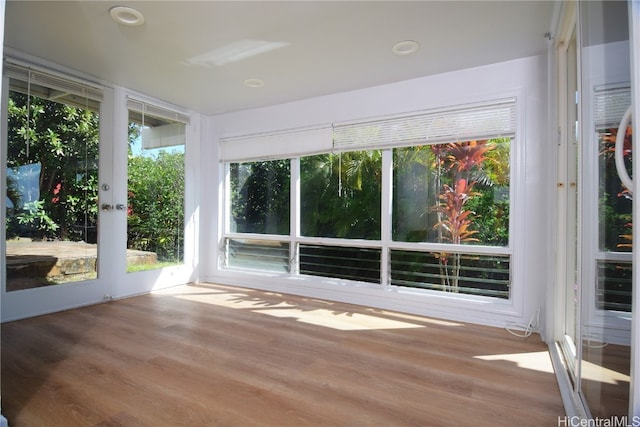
(106, 207)
(121, 207)
(619, 150)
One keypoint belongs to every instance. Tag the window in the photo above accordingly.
(340, 195)
(452, 193)
(53, 144)
(352, 263)
(455, 193)
(155, 187)
(466, 273)
(613, 259)
(267, 255)
(444, 224)
(260, 197)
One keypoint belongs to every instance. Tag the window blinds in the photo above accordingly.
(150, 111)
(489, 120)
(610, 104)
(276, 146)
(47, 85)
(161, 127)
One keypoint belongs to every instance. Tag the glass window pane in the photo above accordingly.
(614, 200)
(260, 197)
(52, 191)
(257, 254)
(361, 264)
(155, 210)
(486, 275)
(452, 193)
(341, 194)
(613, 286)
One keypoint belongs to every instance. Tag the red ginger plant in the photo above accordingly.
(608, 150)
(454, 221)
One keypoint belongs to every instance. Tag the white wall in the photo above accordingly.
(525, 78)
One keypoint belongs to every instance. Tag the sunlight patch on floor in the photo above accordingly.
(230, 300)
(593, 372)
(335, 319)
(537, 361)
(420, 319)
(340, 321)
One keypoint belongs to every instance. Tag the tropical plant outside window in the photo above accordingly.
(340, 195)
(456, 193)
(452, 193)
(613, 283)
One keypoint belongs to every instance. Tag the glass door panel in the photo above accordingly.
(52, 187)
(606, 280)
(155, 190)
(569, 217)
(57, 176)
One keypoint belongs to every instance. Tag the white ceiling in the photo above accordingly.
(325, 46)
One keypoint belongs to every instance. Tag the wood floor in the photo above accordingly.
(208, 355)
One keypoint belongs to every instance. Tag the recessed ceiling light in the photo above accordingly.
(405, 47)
(253, 83)
(126, 16)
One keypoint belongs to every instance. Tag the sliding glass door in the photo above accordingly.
(595, 259)
(568, 199)
(606, 268)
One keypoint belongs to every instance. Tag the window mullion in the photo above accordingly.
(294, 212)
(386, 215)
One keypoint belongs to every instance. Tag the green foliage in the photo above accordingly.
(260, 197)
(615, 202)
(63, 140)
(422, 175)
(491, 215)
(156, 204)
(341, 194)
(35, 216)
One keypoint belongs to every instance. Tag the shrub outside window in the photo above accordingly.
(340, 195)
(260, 197)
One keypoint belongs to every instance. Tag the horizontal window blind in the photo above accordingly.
(150, 111)
(57, 85)
(483, 121)
(169, 135)
(52, 87)
(276, 146)
(609, 105)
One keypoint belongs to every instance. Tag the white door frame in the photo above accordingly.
(32, 302)
(128, 284)
(634, 45)
(113, 281)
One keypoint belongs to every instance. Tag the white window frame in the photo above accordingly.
(255, 149)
